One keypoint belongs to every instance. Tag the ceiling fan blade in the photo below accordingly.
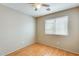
(45, 5)
(48, 9)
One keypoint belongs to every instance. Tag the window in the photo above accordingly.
(57, 26)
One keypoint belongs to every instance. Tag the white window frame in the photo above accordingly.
(54, 30)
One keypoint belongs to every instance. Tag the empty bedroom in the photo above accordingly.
(39, 29)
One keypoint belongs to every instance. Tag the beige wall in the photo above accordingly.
(16, 30)
(70, 42)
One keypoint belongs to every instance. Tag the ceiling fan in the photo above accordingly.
(37, 6)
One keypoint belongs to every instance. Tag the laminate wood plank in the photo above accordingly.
(41, 50)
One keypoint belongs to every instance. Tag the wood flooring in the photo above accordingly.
(41, 50)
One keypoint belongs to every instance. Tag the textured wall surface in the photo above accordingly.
(70, 42)
(16, 30)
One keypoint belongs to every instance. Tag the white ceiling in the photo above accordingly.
(28, 9)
